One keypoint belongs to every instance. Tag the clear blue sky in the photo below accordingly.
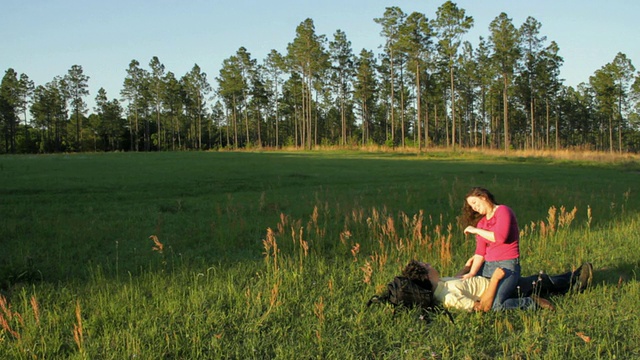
(44, 38)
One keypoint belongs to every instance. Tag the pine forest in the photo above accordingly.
(425, 87)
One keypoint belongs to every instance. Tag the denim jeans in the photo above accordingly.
(545, 285)
(507, 286)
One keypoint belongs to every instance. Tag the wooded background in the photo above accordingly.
(425, 88)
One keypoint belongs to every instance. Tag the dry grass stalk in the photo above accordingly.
(406, 221)
(304, 245)
(6, 316)
(158, 246)
(78, 330)
(247, 296)
(284, 220)
(273, 299)
(271, 249)
(445, 246)
(375, 215)
(314, 216)
(389, 229)
(313, 223)
(551, 219)
(573, 153)
(344, 236)
(566, 218)
(6, 327)
(293, 236)
(417, 227)
(367, 269)
(36, 308)
(304, 248)
(6, 308)
(355, 250)
(357, 215)
(544, 229)
(318, 309)
(380, 259)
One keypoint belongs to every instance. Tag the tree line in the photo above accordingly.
(426, 88)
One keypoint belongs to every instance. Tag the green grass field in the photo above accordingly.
(273, 255)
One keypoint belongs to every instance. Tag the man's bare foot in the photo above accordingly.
(485, 304)
(477, 306)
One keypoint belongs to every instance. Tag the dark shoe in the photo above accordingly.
(543, 303)
(583, 276)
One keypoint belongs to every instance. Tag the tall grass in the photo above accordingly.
(303, 259)
(302, 303)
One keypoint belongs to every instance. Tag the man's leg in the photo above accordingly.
(545, 285)
(526, 285)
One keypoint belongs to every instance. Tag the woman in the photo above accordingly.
(497, 242)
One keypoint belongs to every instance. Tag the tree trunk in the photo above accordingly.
(393, 125)
(419, 110)
(533, 124)
(453, 110)
(506, 113)
(611, 133)
(547, 140)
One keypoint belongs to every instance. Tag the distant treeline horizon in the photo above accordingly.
(425, 88)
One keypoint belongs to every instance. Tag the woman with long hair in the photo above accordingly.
(497, 242)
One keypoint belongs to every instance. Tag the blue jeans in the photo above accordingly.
(507, 286)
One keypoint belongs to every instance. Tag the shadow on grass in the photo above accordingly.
(615, 275)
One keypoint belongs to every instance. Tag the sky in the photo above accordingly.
(45, 38)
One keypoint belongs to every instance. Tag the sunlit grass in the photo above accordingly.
(275, 256)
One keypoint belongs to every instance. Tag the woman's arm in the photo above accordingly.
(489, 235)
(476, 263)
(501, 228)
(466, 268)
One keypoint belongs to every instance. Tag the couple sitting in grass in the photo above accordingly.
(491, 279)
(477, 293)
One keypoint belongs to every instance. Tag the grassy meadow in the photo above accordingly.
(273, 255)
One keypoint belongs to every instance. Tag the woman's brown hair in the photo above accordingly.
(470, 217)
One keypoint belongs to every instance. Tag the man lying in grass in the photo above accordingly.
(477, 293)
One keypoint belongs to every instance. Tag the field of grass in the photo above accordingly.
(273, 255)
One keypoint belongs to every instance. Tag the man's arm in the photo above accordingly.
(486, 299)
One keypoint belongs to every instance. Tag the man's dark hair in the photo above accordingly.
(417, 272)
(411, 289)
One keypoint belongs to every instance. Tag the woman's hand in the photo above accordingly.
(467, 276)
(486, 234)
(475, 263)
(466, 268)
(470, 230)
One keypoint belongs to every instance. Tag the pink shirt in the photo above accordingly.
(504, 226)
